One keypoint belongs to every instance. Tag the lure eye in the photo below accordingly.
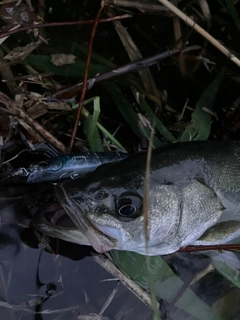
(43, 163)
(129, 205)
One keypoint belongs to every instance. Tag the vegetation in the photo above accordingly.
(105, 76)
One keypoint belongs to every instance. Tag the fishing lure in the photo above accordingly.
(64, 167)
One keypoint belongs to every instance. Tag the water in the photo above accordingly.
(36, 284)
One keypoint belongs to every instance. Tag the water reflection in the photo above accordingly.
(37, 284)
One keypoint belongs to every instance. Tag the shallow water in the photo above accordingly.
(36, 284)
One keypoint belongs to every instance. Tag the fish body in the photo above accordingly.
(193, 194)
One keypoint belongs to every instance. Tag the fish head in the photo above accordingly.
(107, 208)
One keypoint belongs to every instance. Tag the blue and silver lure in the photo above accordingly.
(64, 167)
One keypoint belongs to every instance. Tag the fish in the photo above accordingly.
(193, 199)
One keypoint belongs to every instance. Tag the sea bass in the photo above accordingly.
(193, 198)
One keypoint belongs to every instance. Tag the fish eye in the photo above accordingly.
(127, 210)
(129, 205)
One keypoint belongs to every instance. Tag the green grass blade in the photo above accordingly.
(167, 284)
(227, 272)
(129, 114)
(80, 50)
(86, 114)
(76, 70)
(154, 119)
(91, 130)
(233, 12)
(200, 126)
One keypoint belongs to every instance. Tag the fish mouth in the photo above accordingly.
(98, 236)
(54, 221)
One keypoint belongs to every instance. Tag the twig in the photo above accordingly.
(85, 78)
(134, 54)
(108, 265)
(109, 300)
(201, 31)
(60, 24)
(140, 5)
(18, 112)
(211, 247)
(133, 66)
(17, 155)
